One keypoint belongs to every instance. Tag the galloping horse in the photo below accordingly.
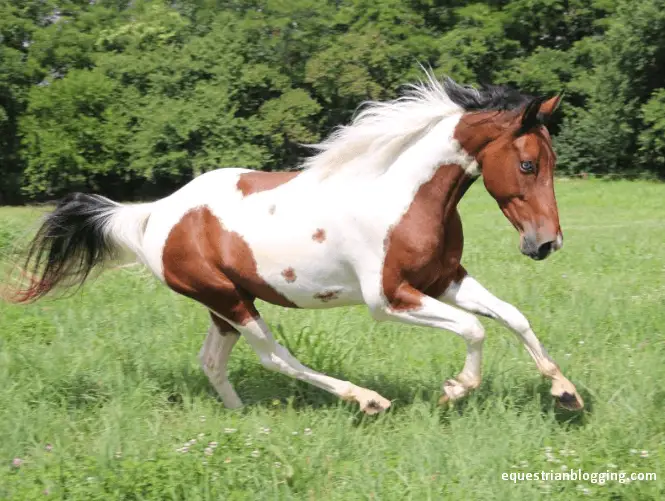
(370, 218)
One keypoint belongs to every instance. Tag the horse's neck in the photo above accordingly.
(436, 166)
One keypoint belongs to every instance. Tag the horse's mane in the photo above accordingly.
(380, 131)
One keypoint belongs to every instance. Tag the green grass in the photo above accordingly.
(110, 378)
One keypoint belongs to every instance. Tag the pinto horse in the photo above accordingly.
(371, 218)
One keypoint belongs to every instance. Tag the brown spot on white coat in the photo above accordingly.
(327, 296)
(255, 182)
(319, 235)
(289, 275)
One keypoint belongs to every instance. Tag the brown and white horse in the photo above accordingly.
(370, 218)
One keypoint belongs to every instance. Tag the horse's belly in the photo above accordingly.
(308, 275)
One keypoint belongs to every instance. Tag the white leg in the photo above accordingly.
(214, 356)
(275, 357)
(434, 313)
(472, 296)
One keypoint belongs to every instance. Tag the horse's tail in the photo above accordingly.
(82, 232)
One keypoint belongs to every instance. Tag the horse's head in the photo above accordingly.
(515, 154)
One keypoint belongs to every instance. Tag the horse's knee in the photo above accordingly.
(473, 331)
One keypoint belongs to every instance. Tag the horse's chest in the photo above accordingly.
(425, 251)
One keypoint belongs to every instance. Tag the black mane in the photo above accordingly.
(487, 98)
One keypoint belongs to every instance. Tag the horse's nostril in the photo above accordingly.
(544, 250)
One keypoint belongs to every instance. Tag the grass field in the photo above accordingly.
(98, 391)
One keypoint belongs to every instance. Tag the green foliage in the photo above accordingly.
(652, 138)
(122, 96)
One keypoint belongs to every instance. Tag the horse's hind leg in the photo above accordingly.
(214, 356)
(276, 357)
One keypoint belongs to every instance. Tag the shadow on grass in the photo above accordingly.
(258, 386)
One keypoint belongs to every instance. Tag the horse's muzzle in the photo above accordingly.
(539, 251)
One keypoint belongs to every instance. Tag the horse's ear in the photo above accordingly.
(538, 112)
(531, 116)
(547, 108)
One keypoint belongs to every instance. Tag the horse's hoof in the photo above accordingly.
(444, 401)
(372, 403)
(570, 401)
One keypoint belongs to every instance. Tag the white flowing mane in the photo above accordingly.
(382, 130)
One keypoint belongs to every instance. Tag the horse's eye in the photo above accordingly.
(527, 167)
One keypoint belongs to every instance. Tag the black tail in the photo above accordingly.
(70, 242)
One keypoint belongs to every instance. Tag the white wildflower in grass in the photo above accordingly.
(200, 435)
(294, 433)
(17, 462)
(568, 355)
(308, 431)
(48, 447)
(191, 442)
(230, 430)
(264, 431)
(204, 462)
(611, 465)
(118, 455)
(633, 451)
(202, 419)
(564, 467)
(208, 451)
(212, 445)
(278, 464)
(524, 464)
(581, 342)
(584, 490)
(548, 449)
(644, 454)
(255, 453)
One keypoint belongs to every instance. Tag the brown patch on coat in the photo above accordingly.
(255, 182)
(204, 261)
(289, 275)
(327, 296)
(424, 248)
(319, 235)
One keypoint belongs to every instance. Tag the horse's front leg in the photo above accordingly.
(409, 305)
(470, 295)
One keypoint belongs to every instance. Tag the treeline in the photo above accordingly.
(134, 98)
